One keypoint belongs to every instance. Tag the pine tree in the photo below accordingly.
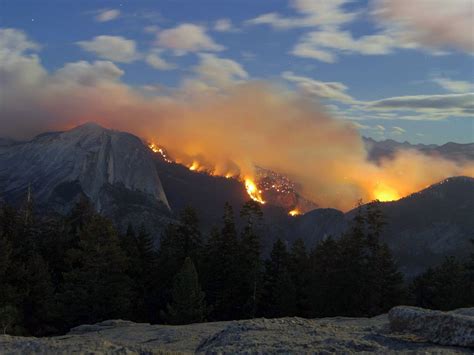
(250, 257)
(326, 279)
(96, 286)
(222, 270)
(142, 260)
(8, 318)
(179, 241)
(187, 305)
(300, 269)
(384, 283)
(8, 311)
(443, 287)
(189, 234)
(38, 304)
(279, 294)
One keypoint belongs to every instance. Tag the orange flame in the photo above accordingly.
(155, 148)
(386, 193)
(194, 166)
(252, 190)
(294, 212)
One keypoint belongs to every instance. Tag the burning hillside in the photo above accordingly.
(267, 186)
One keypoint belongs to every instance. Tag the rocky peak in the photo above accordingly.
(91, 157)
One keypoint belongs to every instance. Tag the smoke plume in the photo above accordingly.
(227, 130)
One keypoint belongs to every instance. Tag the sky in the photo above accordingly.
(397, 69)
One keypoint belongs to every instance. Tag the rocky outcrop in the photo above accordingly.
(445, 328)
(89, 155)
(263, 336)
(115, 170)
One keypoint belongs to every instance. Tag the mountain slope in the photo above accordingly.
(114, 169)
(429, 225)
(127, 183)
(378, 150)
(422, 229)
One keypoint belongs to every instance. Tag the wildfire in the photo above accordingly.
(156, 149)
(194, 166)
(385, 193)
(254, 193)
(294, 212)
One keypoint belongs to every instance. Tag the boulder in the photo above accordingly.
(445, 328)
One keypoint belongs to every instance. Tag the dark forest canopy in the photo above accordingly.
(57, 272)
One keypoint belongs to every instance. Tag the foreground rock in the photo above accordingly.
(445, 328)
(284, 335)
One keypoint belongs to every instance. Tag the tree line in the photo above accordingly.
(57, 272)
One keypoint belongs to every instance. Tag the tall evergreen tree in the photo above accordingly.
(38, 304)
(326, 279)
(279, 294)
(142, 261)
(300, 274)
(222, 269)
(96, 286)
(187, 304)
(179, 241)
(444, 287)
(250, 260)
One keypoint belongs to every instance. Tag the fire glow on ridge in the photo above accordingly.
(385, 193)
(253, 191)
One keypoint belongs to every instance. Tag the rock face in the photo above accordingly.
(445, 328)
(114, 169)
(256, 336)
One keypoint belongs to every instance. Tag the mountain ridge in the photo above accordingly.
(128, 183)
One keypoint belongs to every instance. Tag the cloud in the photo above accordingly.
(378, 130)
(213, 75)
(428, 25)
(13, 41)
(431, 23)
(243, 124)
(219, 71)
(464, 103)
(115, 48)
(20, 69)
(154, 60)
(455, 86)
(324, 45)
(187, 38)
(151, 29)
(325, 90)
(248, 55)
(224, 25)
(397, 130)
(106, 15)
(312, 13)
(88, 74)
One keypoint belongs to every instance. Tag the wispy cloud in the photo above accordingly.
(155, 60)
(455, 86)
(431, 23)
(224, 25)
(462, 102)
(187, 37)
(320, 89)
(311, 14)
(115, 48)
(106, 15)
(395, 130)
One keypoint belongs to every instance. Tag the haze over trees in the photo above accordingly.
(57, 272)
